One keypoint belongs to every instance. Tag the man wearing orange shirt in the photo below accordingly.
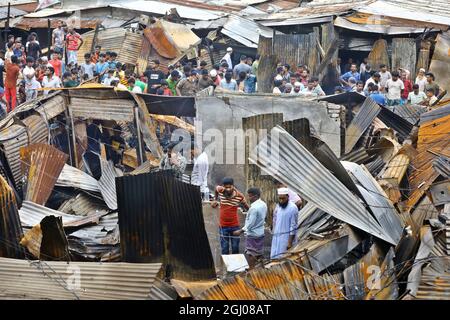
(230, 199)
(56, 64)
(12, 74)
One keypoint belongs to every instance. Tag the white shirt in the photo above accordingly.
(137, 89)
(421, 82)
(28, 71)
(54, 82)
(370, 80)
(362, 67)
(200, 172)
(417, 99)
(395, 89)
(384, 77)
(107, 81)
(276, 90)
(227, 58)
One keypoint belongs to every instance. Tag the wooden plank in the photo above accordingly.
(265, 74)
(379, 54)
(404, 54)
(423, 60)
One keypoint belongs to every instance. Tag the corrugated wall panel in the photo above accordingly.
(255, 178)
(108, 109)
(404, 54)
(156, 226)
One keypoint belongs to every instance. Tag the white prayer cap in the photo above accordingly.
(297, 84)
(213, 73)
(279, 78)
(283, 191)
(229, 49)
(422, 69)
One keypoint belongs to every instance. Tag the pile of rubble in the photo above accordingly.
(376, 222)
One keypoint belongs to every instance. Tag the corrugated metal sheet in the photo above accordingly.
(254, 176)
(50, 108)
(37, 128)
(12, 139)
(10, 227)
(442, 165)
(161, 8)
(375, 28)
(297, 49)
(376, 198)
(432, 135)
(73, 177)
(440, 192)
(424, 210)
(131, 47)
(154, 225)
(395, 122)
(12, 14)
(161, 42)
(23, 279)
(108, 109)
(434, 114)
(388, 286)
(83, 205)
(107, 185)
(356, 276)
(98, 233)
(368, 112)
(181, 35)
(31, 214)
(42, 165)
(245, 31)
(285, 281)
(321, 188)
(410, 113)
(404, 54)
(435, 12)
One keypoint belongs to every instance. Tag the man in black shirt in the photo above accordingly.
(154, 76)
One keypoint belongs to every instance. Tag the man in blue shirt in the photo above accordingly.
(101, 67)
(254, 227)
(377, 96)
(353, 73)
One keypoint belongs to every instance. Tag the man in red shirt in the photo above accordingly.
(56, 64)
(12, 74)
(230, 199)
(74, 42)
(408, 88)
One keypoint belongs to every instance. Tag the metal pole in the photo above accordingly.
(49, 38)
(140, 151)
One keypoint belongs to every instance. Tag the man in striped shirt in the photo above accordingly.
(230, 199)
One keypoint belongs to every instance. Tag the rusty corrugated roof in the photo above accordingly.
(41, 164)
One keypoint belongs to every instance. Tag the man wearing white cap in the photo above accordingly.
(284, 224)
(227, 58)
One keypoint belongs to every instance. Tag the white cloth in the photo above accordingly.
(54, 82)
(284, 226)
(28, 71)
(200, 172)
(370, 80)
(283, 191)
(362, 67)
(227, 58)
(384, 77)
(72, 56)
(107, 81)
(395, 89)
(421, 82)
(417, 99)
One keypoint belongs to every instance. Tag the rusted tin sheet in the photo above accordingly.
(379, 54)
(154, 225)
(10, 227)
(41, 164)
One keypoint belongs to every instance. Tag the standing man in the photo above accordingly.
(51, 80)
(385, 75)
(88, 67)
(254, 227)
(230, 199)
(200, 171)
(227, 58)
(58, 35)
(74, 42)
(408, 88)
(394, 88)
(431, 84)
(188, 86)
(101, 67)
(173, 160)
(96, 54)
(154, 76)
(353, 73)
(56, 63)
(12, 74)
(255, 65)
(293, 197)
(241, 67)
(284, 224)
